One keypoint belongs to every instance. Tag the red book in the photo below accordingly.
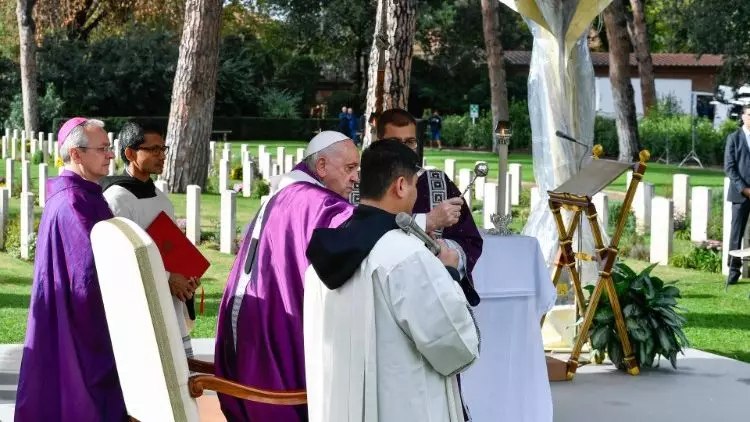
(177, 252)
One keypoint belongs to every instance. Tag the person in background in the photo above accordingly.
(436, 125)
(737, 169)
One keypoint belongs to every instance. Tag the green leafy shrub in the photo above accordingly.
(649, 307)
(37, 158)
(716, 219)
(280, 103)
(260, 189)
(704, 257)
(479, 134)
(236, 173)
(615, 209)
(13, 239)
(454, 130)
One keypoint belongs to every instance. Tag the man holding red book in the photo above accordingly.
(134, 196)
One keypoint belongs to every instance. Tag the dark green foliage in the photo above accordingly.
(649, 306)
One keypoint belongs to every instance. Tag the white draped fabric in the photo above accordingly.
(561, 97)
(509, 380)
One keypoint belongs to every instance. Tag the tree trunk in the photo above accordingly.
(193, 95)
(639, 37)
(495, 64)
(400, 27)
(619, 76)
(27, 41)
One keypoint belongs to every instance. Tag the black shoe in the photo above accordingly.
(734, 277)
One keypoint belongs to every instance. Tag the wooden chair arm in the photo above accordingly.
(198, 383)
(201, 366)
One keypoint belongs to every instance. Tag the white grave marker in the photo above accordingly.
(681, 195)
(700, 213)
(662, 230)
(27, 223)
(247, 178)
(25, 176)
(43, 174)
(515, 189)
(490, 204)
(223, 175)
(193, 214)
(228, 221)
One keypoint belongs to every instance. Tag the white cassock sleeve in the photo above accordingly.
(432, 310)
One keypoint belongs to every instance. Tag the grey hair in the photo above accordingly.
(77, 138)
(312, 159)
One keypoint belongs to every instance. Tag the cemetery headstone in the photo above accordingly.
(223, 175)
(228, 221)
(162, 185)
(601, 202)
(662, 230)
(515, 189)
(700, 213)
(490, 204)
(9, 175)
(25, 176)
(247, 178)
(681, 195)
(450, 169)
(43, 174)
(27, 223)
(4, 206)
(193, 214)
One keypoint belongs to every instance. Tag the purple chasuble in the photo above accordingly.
(68, 371)
(263, 309)
(465, 232)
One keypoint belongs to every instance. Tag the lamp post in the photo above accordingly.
(504, 132)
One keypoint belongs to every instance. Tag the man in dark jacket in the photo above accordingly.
(737, 168)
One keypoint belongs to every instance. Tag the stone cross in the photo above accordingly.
(193, 213)
(27, 223)
(662, 230)
(700, 213)
(228, 221)
(43, 174)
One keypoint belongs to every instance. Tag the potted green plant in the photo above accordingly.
(649, 306)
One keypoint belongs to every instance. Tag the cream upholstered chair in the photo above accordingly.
(154, 372)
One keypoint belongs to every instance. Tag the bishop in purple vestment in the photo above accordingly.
(259, 341)
(68, 371)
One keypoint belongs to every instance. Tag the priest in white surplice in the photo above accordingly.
(386, 324)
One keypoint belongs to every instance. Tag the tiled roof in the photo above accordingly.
(521, 58)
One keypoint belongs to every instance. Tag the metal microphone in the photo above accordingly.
(480, 170)
(570, 138)
(407, 224)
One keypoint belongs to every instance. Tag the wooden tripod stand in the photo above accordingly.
(575, 196)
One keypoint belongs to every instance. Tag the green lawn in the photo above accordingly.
(717, 322)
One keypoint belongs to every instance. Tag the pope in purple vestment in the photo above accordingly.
(259, 341)
(68, 371)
